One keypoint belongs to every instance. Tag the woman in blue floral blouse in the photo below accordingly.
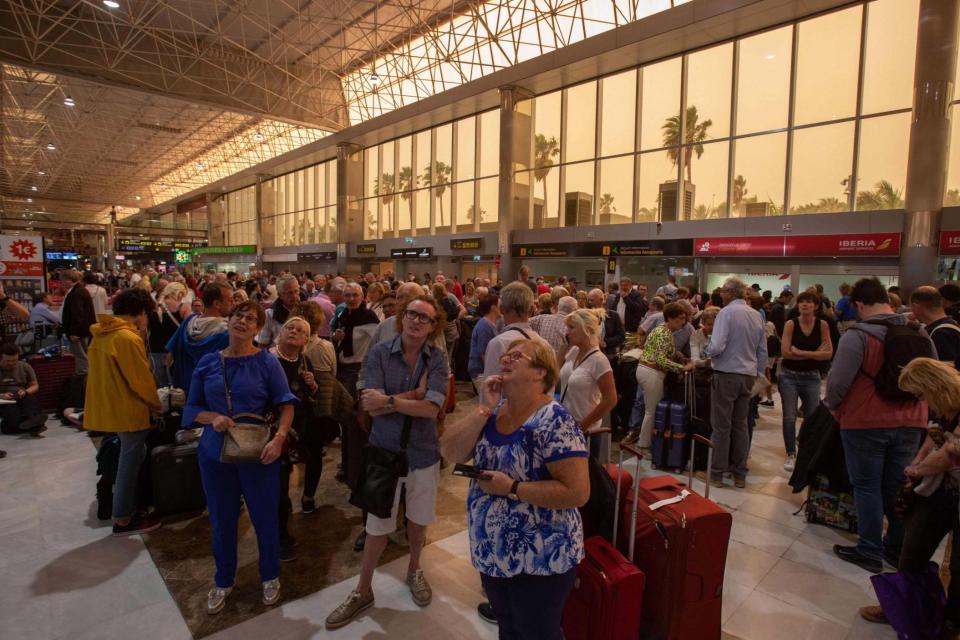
(526, 537)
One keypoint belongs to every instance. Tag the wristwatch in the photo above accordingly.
(391, 403)
(513, 491)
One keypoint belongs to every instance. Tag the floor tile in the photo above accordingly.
(763, 617)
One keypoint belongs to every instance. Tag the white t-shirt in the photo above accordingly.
(580, 388)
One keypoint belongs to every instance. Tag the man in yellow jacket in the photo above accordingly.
(122, 398)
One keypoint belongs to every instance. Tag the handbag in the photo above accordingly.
(250, 433)
(381, 470)
(914, 603)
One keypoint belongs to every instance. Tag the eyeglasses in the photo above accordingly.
(246, 317)
(514, 356)
(422, 318)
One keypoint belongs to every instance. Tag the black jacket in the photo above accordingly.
(820, 451)
(78, 313)
(613, 333)
(635, 308)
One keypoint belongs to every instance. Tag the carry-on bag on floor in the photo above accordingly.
(175, 479)
(827, 507)
(678, 425)
(605, 600)
(680, 542)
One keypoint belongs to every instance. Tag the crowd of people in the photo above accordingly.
(369, 359)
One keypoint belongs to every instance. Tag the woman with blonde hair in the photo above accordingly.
(934, 478)
(161, 325)
(587, 388)
(374, 292)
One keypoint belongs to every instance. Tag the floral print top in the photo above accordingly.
(659, 348)
(507, 537)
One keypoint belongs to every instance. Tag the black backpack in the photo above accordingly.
(902, 343)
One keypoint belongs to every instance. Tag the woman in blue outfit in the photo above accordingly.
(526, 536)
(257, 384)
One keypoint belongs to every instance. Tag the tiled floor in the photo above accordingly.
(62, 576)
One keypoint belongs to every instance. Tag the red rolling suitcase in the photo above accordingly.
(605, 600)
(680, 542)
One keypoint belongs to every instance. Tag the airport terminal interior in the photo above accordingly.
(619, 229)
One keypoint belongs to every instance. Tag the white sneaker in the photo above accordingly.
(790, 463)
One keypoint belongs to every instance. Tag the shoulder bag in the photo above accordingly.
(382, 469)
(244, 442)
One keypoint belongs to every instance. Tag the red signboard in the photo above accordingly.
(859, 245)
(950, 243)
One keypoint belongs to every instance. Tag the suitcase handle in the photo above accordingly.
(694, 439)
(636, 492)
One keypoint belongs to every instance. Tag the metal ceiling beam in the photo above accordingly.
(136, 50)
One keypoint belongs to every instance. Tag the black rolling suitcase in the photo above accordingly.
(175, 479)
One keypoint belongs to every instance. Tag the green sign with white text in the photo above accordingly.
(240, 248)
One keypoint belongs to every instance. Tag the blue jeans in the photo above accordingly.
(794, 387)
(133, 450)
(875, 460)
(529, 607)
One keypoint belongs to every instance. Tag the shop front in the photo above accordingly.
(799, 261)
(948, 265)
(596, 264)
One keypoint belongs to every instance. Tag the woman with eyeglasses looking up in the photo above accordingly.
(405, 380)
(526, 535)
(256, 384)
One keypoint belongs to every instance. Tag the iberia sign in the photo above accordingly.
(950, 243)
(860, 245)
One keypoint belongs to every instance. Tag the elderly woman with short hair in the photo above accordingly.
(526, 535)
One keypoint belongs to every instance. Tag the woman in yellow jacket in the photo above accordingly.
(122, 398)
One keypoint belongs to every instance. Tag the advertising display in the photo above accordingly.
(21, 267)
(854, 245)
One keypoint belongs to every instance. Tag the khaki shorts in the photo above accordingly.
(421, 501)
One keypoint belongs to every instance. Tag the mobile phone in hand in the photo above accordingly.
(468, 471)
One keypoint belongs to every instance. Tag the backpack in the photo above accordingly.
(901, 344)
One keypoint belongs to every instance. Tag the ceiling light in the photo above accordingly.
(137, 197)
(41, 173)
(199, 166)
(68, 101)
(29, 199)
(373, 80)
(258, 136)
(50, 147)
(112, 4)
(33, 188)
(770, 56)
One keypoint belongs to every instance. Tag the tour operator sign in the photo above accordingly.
(860, 245)
(21, 256)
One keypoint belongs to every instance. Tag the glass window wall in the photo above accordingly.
(300, 207)
(737, 146)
